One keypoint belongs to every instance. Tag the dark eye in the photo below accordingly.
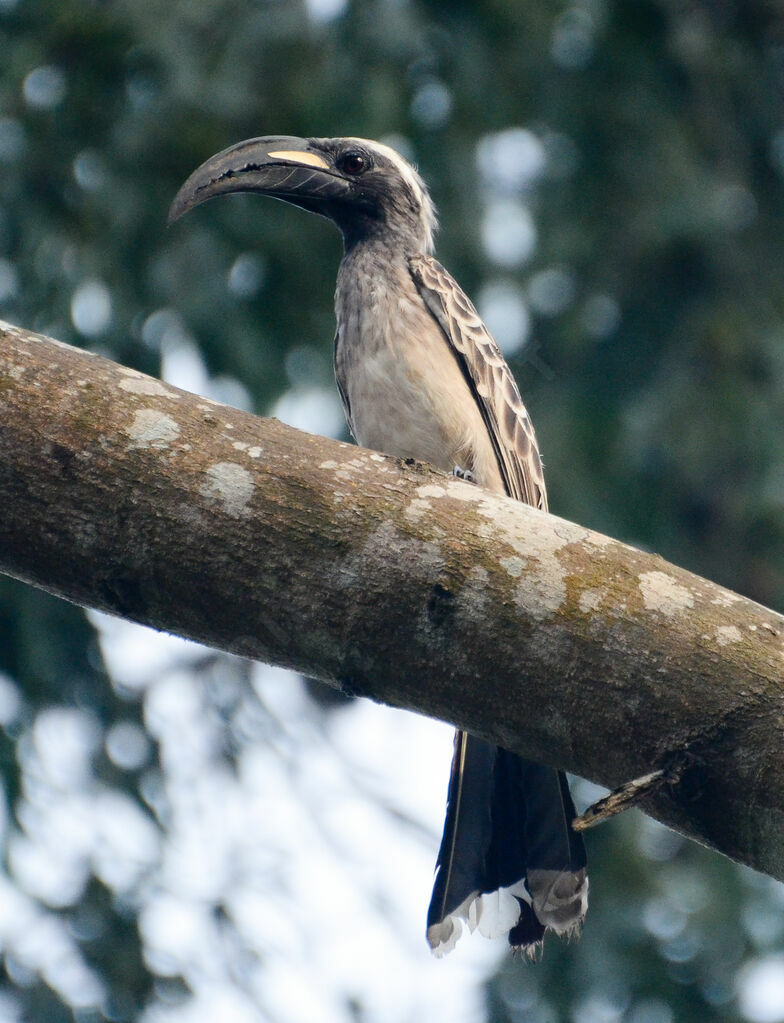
(353, 163)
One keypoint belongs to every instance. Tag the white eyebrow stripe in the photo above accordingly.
(414, 182)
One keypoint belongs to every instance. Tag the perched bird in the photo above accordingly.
(421, 377)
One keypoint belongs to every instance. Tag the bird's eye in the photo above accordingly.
(353, 163)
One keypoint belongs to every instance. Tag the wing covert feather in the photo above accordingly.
(336, 363)
(489, 378)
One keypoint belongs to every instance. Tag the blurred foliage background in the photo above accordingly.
(609, 175)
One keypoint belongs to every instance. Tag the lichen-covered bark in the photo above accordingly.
(394, 582)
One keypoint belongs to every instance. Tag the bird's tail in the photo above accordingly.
(510, 861)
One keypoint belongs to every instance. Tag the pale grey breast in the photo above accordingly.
(404, 390)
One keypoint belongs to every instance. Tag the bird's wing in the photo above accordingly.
(509, 860)
(489, 379)
(341, 388)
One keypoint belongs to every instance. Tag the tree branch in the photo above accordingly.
(393, 582)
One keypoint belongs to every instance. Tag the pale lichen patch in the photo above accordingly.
(140, 384)
(417, 508)
(251, 451)
(25, 336)
(15, 372)
(569, 532)
(329, 464)
(590, 600)
(152, 428)
(421, 503)
(14, 331)
(535, 538)
(462, 491)
(663, 593)
(598, 540)
(377, 458)
(232, 485)
(345, 475)
(725, 598)
(728, 634)
(513, 565)
(430, 490)
(543, 590)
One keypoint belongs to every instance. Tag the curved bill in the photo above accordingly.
(282, 166)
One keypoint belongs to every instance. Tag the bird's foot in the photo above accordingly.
(463, 474)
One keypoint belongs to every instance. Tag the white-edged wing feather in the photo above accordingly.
(489, 378)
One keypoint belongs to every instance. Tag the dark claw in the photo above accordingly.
(463, 474)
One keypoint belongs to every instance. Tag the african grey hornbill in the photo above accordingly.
(421, 377)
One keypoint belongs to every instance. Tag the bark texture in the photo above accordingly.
(394, 582)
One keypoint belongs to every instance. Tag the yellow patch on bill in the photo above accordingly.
(297, 156)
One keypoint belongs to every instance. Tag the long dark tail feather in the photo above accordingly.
(467, 832)
(555, 867)
(528, 933)
(507, 831)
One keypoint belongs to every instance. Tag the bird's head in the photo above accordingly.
(365, 187)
